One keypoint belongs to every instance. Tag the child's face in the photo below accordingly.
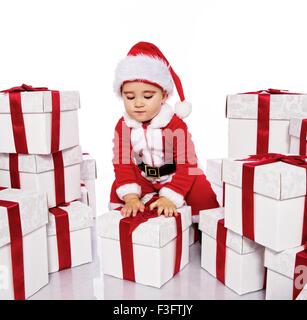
(142, 101)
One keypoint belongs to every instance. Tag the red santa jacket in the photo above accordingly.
(164, 140)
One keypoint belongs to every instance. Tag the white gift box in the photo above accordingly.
(281, 267)
(36, 109)
(214, 175)
(279, 197)
(154, 245)
(34, 217)
(37, 173)
(294, 132)
(242, 112)
(88, 177)
(244, 269)
(303, 294)
(80, 218)
(84, 195)
(192, 233)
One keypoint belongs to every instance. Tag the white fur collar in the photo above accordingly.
(159, 121)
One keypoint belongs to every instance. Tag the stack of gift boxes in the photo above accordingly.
(45, 220)
(258, 239)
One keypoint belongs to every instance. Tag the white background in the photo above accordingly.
(216, 47)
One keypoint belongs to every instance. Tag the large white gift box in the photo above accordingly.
(154, 247)
(80, 217)
(242, 114)
(295, 135)
(37, 172)
(244, 261)
(280, 273)
(214, 175)
(279, 197)
(33, 217)
(88, 177)
(36, 110)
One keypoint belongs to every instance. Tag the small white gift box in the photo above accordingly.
(279, 197)
(33, 217)
(214, 175)
(280, 274)
(154, 247)
(37, 172)
(295, 135)
(242, 112)
(80, 219)
(88, 177)
(244, 270)
(36, 110)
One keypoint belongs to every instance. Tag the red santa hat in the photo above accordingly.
(145, 62)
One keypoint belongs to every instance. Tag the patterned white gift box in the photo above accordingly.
(242, 114)
(280, 274)
(80, 217)
(295, 132)
(214, 175)
(154, 246)
(36, 110)
(37, 173)
(279, 197)
(244, 269)
(34, 217)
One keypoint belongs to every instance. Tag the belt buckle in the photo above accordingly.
(152, 172)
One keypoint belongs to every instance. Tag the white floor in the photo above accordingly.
(87, 282)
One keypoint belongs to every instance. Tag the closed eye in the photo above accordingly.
(148, 97)
(130, 98)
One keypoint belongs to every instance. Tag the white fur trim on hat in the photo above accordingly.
(142, 67)
(183, 109)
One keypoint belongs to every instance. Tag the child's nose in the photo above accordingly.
(139, 103)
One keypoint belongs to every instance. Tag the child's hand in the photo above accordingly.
(132, 205)
(164, 205)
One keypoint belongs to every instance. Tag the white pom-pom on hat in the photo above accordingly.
(145, 61)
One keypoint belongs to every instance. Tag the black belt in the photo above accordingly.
(155, 172)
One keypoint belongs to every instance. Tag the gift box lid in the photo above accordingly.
(80, 216)
(208, 221)
(155, 232)
(214, 171)
(282, 262)
(295, 127)
(277, 180)
(282, 106)
(32, 163)
(88, 167)
(33, 212)
(41, 101)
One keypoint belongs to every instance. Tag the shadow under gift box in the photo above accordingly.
(244, 261)
(279, 197)
(242, 114)
(281, 266)
(36, 111)
(154, 247)
(37, 173)
(80, 217)
(34, 217)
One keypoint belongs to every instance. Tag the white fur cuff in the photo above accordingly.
(175, 197)
(128, 188)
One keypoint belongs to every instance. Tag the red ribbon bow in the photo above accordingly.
(248, 188)
(126, 228)
(24, 87)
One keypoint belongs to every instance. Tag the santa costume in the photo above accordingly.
(157, 157)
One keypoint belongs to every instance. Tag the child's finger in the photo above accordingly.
(142, 207)
(153, 205)
(160, 210)
(123, 211)
(175, 212)
(128, 213)
(170, 212)
(166, 212)
(135, 211)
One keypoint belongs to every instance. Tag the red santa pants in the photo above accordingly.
(200, 197)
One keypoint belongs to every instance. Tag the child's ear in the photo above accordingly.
(165, 96)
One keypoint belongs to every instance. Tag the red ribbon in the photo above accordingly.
(126, 228)
(303, 138)
(300, 260)
(221, 238)
(263, 119)
(248, 189)
(14, 170)
(63, 237)
(13, 213)
(19, 131)
(59, 177)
